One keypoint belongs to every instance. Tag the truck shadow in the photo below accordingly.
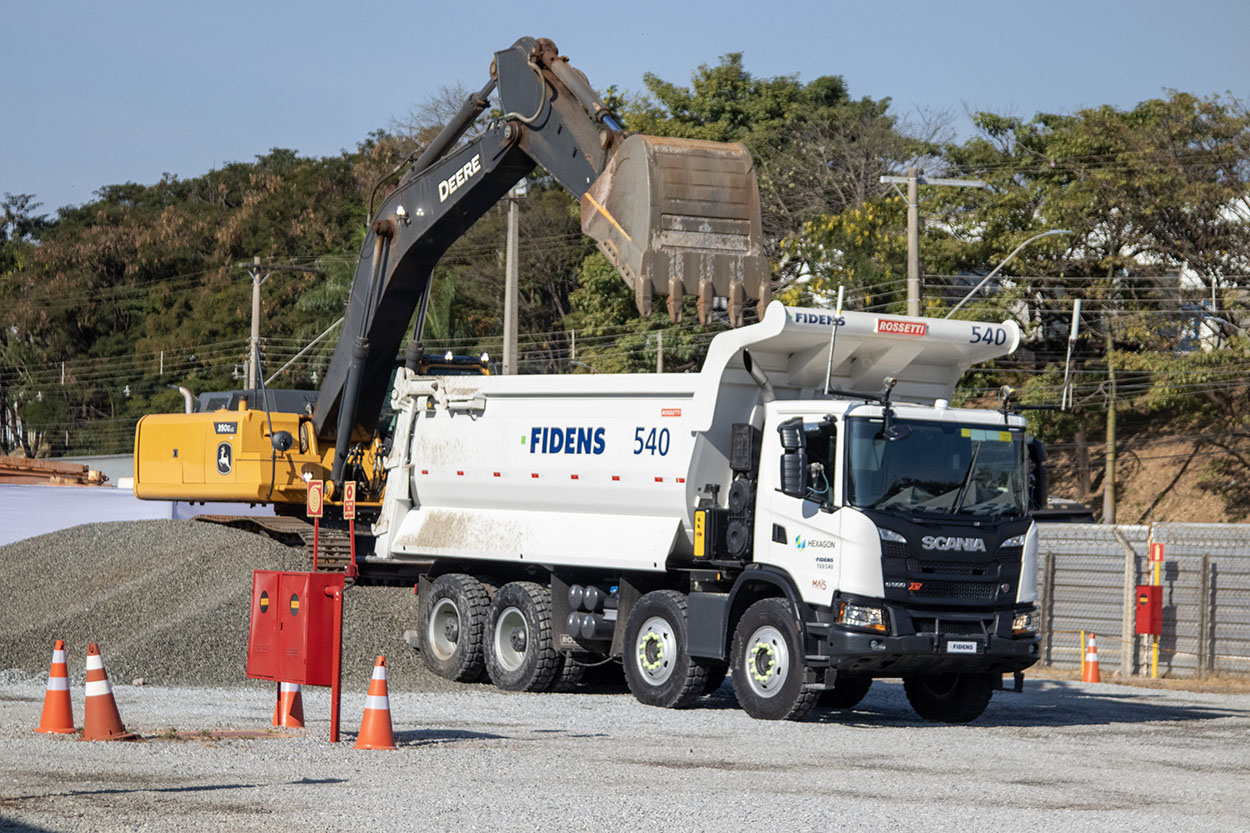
(1044, 703)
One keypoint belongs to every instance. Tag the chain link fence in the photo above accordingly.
(1087, 578)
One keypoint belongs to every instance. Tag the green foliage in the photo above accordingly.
(613, 338)
(863, 249)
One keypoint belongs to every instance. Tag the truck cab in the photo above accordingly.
(909, 526)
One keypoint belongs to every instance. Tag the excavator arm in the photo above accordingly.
(675, 217)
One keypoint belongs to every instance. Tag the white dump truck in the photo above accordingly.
(808, 515)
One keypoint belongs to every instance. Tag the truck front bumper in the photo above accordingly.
(940, 651)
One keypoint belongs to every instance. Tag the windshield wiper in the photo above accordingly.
(963, 490)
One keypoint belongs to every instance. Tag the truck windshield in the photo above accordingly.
(939, 467)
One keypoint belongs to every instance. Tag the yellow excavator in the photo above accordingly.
(675, 216)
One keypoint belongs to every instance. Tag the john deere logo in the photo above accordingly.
(225, 458)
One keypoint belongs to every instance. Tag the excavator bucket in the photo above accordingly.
(681, 217)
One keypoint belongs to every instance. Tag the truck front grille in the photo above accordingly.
(951, 628)
(965, 590)
(893, 549)
(957, 568)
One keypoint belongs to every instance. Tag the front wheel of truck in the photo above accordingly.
(949, 698)
(767, 663)
(658, 668)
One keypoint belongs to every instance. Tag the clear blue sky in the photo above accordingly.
(99, 93)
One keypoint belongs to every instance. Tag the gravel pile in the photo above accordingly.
(168, 602)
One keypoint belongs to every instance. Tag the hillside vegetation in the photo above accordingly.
(110, 303)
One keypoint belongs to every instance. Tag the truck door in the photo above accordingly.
(800, 531)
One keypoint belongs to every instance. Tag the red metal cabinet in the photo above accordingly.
(1149, 609)
(292, 627)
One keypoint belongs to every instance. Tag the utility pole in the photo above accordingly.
(915, 177)
(511, 280)
(260, 273)
(1108, 482)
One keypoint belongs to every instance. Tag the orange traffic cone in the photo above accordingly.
(1089, 674)
(58, 716)
(289, 710)
(375, 728)
(101, 720)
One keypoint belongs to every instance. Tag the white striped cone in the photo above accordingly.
(1091, 674)
(375, 727)
(289, 710)
(58, 715)
(101, 720)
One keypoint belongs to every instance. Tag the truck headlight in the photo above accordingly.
(891, 535)
(861, 616)
(1026, 622)
(1017, 541)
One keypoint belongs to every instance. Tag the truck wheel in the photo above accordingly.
(949, 698)
(846, 692)
(519, 652)
(568, 676)
(768, 663)
(657, 668)
(452, 619)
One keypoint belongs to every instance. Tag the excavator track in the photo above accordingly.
(334, 546)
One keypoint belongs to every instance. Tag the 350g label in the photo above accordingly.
(651, 441)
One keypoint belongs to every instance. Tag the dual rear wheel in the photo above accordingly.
(467, 632)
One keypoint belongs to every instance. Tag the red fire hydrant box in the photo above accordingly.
(1149, 609)
(291, 638)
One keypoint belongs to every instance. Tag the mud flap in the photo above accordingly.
(681, 217)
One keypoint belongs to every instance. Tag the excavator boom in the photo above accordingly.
(675, 216)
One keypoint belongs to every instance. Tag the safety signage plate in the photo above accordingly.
(961, 647)
(316, 493)
(349, 500)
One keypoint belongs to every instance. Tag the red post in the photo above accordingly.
(349, 512)
(336, 661)
(352, 571)
(316, 530)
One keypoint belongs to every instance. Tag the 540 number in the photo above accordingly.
(653, 441)
(988, 335)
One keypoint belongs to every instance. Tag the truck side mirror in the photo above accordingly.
(1039, 475)
(794, 458)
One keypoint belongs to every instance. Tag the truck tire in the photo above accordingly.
(846, 693)
(452, 619)
(768, 664)
(949, 698)
(519, 651)
(658, 668)
(568, 676)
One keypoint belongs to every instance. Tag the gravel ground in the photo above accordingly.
(1063, 756)
(168, 601)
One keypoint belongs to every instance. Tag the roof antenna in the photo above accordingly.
(833, 337)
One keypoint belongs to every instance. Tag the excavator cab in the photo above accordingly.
(681, 217)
